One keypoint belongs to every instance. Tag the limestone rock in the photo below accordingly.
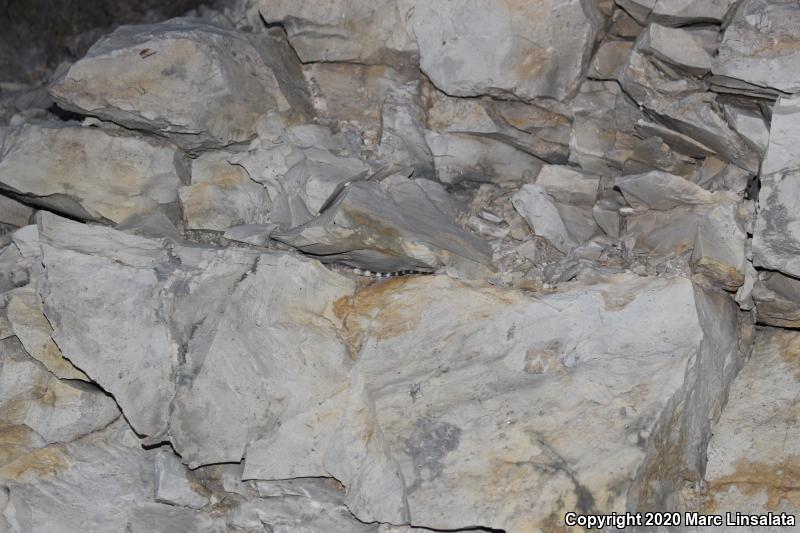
(663, 191)
(609, 59)
(360, 31)
(300, 168)
(759, 50)
(464, 157)
(540, 212)
(101, 482)
(678, 12)
(752, 456)
(537, 130)
(719, 248)
(690, 50)
(777, 300)
(175, 485)
(13, 215)
(418, 431)
(222, 195)
(198, 84)
(26, 315)
(393, 225)
(55, 410)
(776, 241)
(498, 48)
(574, 194)
(90, 173)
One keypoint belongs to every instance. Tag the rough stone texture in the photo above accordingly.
(222, 195)
(198, 84)
(760, 50)
(301, 168)
(678, 12)
(540, 212)
(393, 225)
(360, 31)
(515, 48)
(777, 300)
(776, 242)
(719, 248)
(90, 173)
(413, 444)
(690, 50)
(754, 455)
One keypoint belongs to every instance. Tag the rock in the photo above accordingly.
(505, 49)
(759, 50)
(678, 13)
(776, 240)
(175, 485)
(57, 411)
(464, 157)
(105, 294)
(777, 300)
(609, 59)
(719, 248)
(393, 225)
(536, 130)
(14, 213)
(222, 195)
(752, 456)
(749, 123)
(662, 191)
(690, 50)
(574, 194)
(100, 482)
(90, 173)
(419, 429)
(198, 84)
(25, 313)
(539, 210)
(361, 31)
(301, 169)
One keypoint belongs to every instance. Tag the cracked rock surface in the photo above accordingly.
(401, 266)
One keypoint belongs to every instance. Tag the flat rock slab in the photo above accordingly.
(393, 225)
(203, 346)
(90, 173)
(754, 455)
(776, 241)
(473, 406)
(761, 47)
(198, 84)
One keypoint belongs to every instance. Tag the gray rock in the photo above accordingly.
(504, 364)
(663, 191)
(198, 84)
(752, 454)
(505, 49)
(718, 257)
(25, 313)
(759, 49)
(101, 482)
(609, 59)
(749, 123)
(776, 241)
(465, 157)
(90, 173)
(222, 195)
(176, 485)
(393, 225)
(540, 212)
(55, 410)
(540, 131)
(361, 31)
(690, 49)
(777, 300)
(300, 168)
(574, 194)
(14, 213)
(151, 323)
(678, 12)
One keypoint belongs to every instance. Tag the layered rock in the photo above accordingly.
(91, 173)
(196, 83)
